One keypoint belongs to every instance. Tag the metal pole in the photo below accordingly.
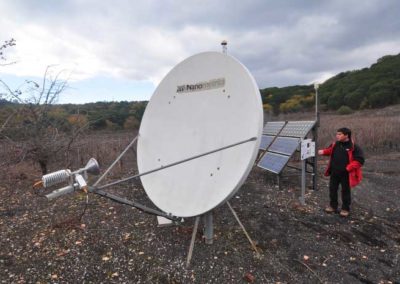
(189, 257)
(132, 204)
(176, 163)
(303, 182)
(316, 86)
(116, 161)
(278, 177)
(208, 228)
(315, 160)
(315, 134)
(253, 245)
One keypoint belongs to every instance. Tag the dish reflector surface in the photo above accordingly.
(206, 102)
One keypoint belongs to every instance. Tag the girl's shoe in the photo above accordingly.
(330, 209)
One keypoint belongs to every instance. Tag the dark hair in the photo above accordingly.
(345, 131)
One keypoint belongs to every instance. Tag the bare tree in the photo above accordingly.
(3, 47)
(41, 135)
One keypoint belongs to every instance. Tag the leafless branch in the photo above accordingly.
(11, 92)
(7, 121)
(312, 271)
(9, 63)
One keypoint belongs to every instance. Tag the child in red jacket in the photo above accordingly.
(346, 160)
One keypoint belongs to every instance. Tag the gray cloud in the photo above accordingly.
(281, 42)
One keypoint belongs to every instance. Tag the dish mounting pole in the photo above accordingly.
(208, 231)
(208, 228)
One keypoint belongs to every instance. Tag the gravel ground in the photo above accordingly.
(66, 241)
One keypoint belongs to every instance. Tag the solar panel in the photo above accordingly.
(265, 141)
(288, 136)
(273, 162)
(297, 128)
(273, 127)
(284, 145)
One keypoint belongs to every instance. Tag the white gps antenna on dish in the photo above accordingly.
(224, 45)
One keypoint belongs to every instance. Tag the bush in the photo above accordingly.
(382, 98)
(335, 100)
(343, 110)
(267, 107)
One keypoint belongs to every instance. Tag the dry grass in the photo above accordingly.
(374, 131)
(104, 147)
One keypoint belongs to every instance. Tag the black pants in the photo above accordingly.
(341, 178)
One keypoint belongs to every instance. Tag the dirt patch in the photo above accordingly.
(52, 242)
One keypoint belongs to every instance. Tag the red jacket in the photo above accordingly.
(353, 167)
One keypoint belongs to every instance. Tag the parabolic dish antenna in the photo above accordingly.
(206, 102)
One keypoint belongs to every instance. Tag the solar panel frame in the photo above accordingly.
(285, 145)
(265, 141)
(273, 127)
(273, 162)
(286, 137)
(298, 129)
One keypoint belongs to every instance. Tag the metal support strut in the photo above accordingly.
(98, 190)
(175, 163)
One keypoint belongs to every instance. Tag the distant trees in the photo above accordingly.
(96, 116)
(355, 99)
(373, 87)
(275, 97)
(336, 100)
(114, 115)
(297, 103)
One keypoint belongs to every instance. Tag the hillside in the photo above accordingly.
(373, 87)
(99, 115)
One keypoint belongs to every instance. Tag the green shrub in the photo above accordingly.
(343, 110)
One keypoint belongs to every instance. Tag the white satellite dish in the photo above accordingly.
(208, 101)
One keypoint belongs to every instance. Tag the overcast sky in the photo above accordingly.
(120, 50)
